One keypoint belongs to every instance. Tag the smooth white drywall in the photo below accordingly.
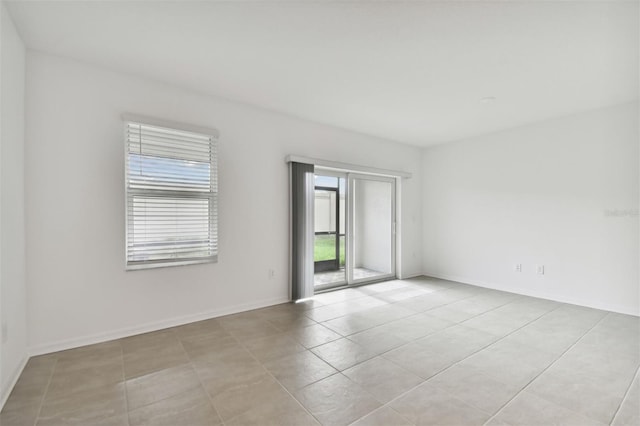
(560, 193)
(373, 224)
(13, 291)
(78, 288)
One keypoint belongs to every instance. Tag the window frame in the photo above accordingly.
(213, 197)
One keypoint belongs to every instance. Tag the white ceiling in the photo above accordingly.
(408, 71)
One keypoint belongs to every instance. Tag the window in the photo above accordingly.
(171, 182)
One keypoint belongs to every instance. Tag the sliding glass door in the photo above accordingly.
(354, 229)
(371, 238)
(329, 230)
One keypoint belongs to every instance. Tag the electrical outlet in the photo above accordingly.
(540, 269)
(518, 267)
(5, 332)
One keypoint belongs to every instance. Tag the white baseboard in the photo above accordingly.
(15, 375)
(542, 295)
(152, 326)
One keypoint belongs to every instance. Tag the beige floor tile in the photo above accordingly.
(281, 411)
(146, 341)
(385, 313)
(458, 339)
(19, 413)
(272, 348)
(474, 306)
(85, 407)
(329, 312)
(336, 400)
(450, 313)
(160, 385)
(210, 328)
(289, 323)
(280, 309)
(211, 348)
(299, 369)
(342, 354)
(426, 302)
(41, 365)
(600, 359)
(609, 382)
(314, 335)
(383, 416)
(377, 340)
(528, 410)
(475, 388)
(629, 412)
(285, 317)
(620, 322)
(510, 363)
(614, 340)
(416, 326)
(421, 362)
(552, 337)
(349, 324)
(428, 405)
(156, 358)
(578, 315)
(383, 287)
(228, 374)
(382, 378)
(84, 379)
(190, 408)
(247, 393)
(402, 294)
(89, 356)
(527, 309)
(332, 297)
(575, 391)
(244, 329)
(28, 391)
(366, 319)
(244, 368)
(494, 323)
(119, 420)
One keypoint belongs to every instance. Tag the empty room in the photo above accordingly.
(319, 213)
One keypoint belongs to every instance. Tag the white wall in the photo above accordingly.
(540, 194)
(13, 290)
(78, 289)
(373, 225)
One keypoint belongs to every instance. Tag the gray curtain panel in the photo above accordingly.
(302, 231)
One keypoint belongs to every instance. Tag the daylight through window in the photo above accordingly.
(171, 190)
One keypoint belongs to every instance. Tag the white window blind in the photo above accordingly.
(172, 193)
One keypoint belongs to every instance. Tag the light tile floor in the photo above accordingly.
(414, 352)
(334, 277)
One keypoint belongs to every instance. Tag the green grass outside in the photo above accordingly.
(325, 248)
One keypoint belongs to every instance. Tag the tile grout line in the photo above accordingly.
(408, 316)
(544, 370)
(626, 395)
(373, 296)
(193, 367)
(46, 390)
(124, 384)
(457, 362)
(454, 324)
(274, 378)
(150, 373)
